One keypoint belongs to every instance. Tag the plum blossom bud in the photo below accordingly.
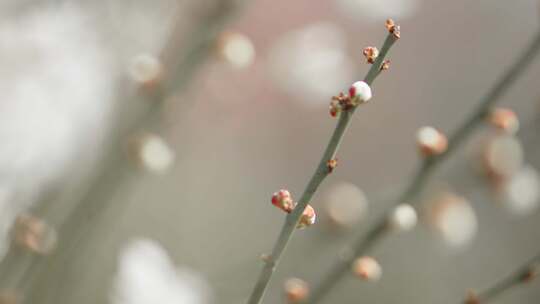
(393, 28)
(371, 53)
(152, 153)
(283, 200)
(296, 290)
(34, 234)
(335, 107)
(431, 141)
(308, 218)
(454, 219)
(360, 92)
(367, 268)
(403, 218)
(504, 119)
(385, 65)
(331, 164)
(502, 157)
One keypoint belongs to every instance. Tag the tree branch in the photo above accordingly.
(428, 165)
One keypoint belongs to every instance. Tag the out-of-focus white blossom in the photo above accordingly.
(153, 153)
(55, 98)
(346, 204)
(503, 156)
(454, 218)
(311, 63)
(376, 10)
(403, 218)
(236, 49)
(146, 275)
(521, 193)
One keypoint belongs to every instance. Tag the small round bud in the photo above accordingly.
(360, 92)
(403, 218)
(367, 268)
(371, 53)
(332, 164)
(431, 141)
(296, 290)
(146, 70)
(265, 257)
(346, 205)
(505, 120)
(283, 200)
(308, 218)
(34, 234)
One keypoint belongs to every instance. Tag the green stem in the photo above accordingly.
(521, 275)
(317, 178)
(428, 165)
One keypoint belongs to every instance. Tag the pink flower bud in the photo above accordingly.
(504, 119)
(283, 200)
(431, 141)
(296, 290)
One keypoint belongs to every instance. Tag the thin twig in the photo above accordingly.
(320, 173)
(523, 274)
(428, 165)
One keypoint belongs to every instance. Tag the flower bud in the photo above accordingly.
(431, 141)
(296, 290)
(371, 53)
(331, 164)
(504, 119)
(360, 92)
(367, 268)
(308, 218)
(283, 200)
(403, 218)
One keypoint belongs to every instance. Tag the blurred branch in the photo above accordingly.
(428, 165)
(317, 178)
(181, 58)
(523, 274)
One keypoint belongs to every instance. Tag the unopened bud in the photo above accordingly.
(431, 141)
(283, 200)
(296, 290)
(360, 92)
(504, 119)
(308, 218)
(367, 268)
(403, 218)
(371, 53)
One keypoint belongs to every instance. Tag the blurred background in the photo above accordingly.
(142, 141)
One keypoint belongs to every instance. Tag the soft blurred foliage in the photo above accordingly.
(181, 179)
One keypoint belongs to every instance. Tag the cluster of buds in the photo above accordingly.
(367, 268)
(283, 200)
(431, 141)
(359, 93)
(403, 218)
(296, 290)
(504, 119)
(371, 53)
(393, 28)
(331, 164)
